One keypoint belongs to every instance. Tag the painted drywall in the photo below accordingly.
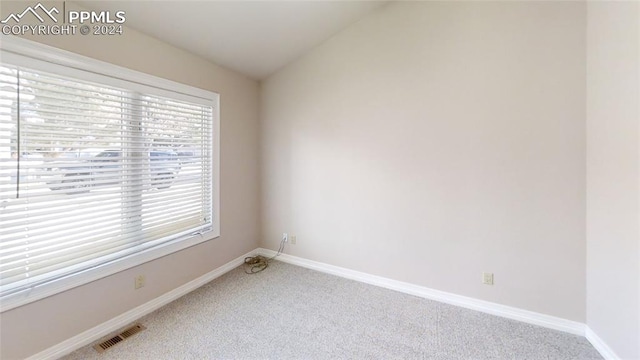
(613, 175)
(434, 141)
(32, 328)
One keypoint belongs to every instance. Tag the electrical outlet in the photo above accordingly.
(487, 278)
(292, 238)
(285, 237)
(139, 281)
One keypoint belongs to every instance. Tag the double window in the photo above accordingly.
(101, 168)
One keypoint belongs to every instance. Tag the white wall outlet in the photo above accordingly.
(292, 239)
(285, 237)
(487, 278)
(139, 281)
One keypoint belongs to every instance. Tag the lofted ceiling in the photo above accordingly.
(255, 38)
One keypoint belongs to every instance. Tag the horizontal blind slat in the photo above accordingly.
(67, 209)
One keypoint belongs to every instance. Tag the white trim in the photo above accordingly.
(600, 345)
(43, 56)
(216, 148)
(110, 326)
(58, 56)
(45, 290)
(509, 312)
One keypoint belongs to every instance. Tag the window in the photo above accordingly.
(101, 169)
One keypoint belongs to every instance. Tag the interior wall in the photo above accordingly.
(613, 176)
(37, 326)
(434, 141)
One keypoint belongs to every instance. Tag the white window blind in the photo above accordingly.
(92, 173)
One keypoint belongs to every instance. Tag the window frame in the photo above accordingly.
(43, 57)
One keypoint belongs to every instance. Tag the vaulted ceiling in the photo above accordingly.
(255, 38)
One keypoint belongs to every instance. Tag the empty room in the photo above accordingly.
(319, 180)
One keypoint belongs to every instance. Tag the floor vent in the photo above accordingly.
(107, 344)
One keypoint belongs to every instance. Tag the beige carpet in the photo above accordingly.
(288, 312)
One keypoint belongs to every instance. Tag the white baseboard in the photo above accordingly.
(526, 316)
(600, 345)
(117, 323)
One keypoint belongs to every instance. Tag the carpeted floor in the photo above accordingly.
(288, 312)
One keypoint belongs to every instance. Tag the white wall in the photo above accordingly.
(37, 326)
(427, 143)
(433, 141)
(613, 176)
